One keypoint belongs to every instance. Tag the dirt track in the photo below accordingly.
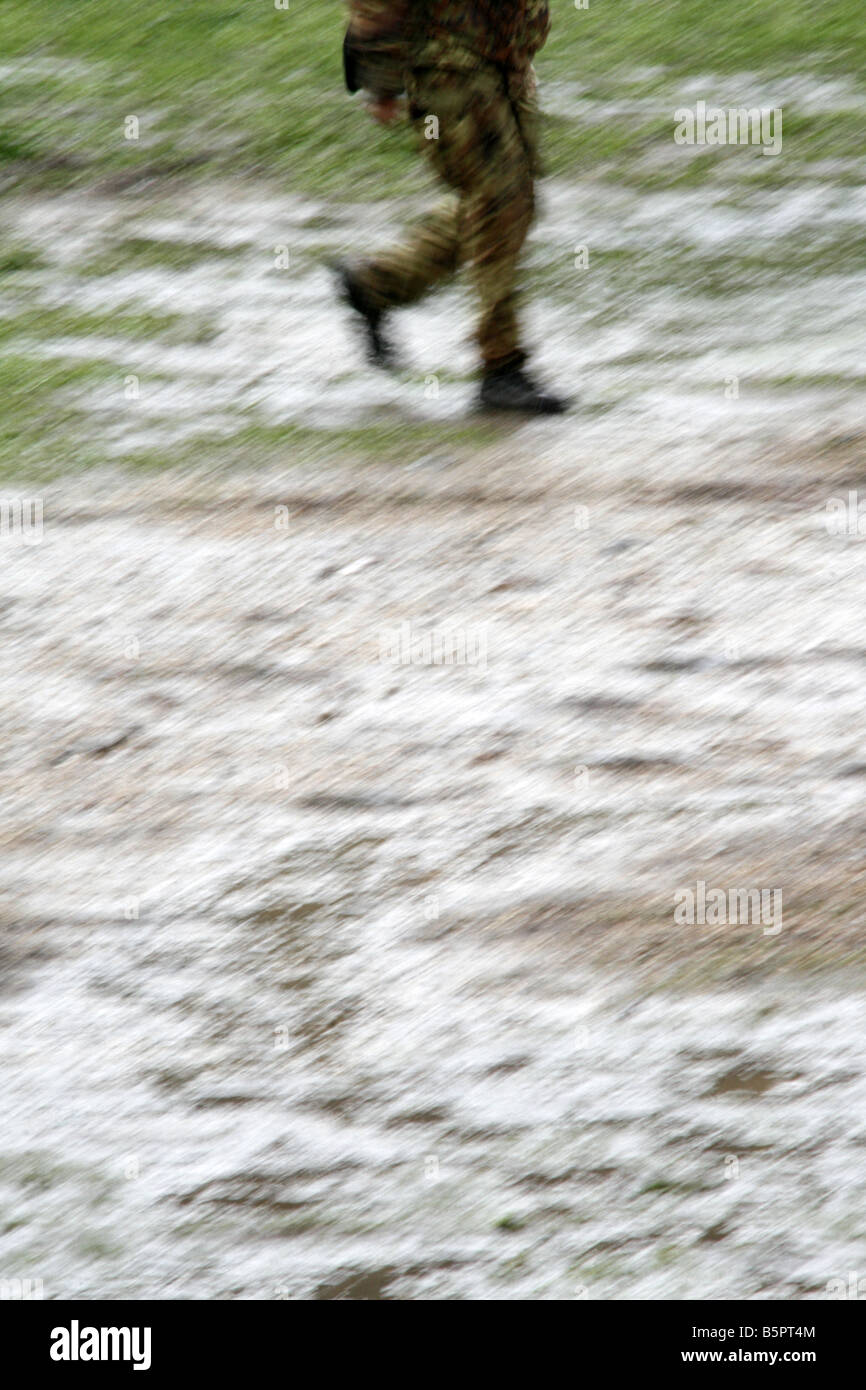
(332, 973)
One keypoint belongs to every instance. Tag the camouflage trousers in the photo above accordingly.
(479, 129)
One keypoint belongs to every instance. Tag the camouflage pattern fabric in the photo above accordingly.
(475, 117)
(459, 34)
(462, 33)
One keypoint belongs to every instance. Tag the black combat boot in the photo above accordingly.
(379, 350)
(509, 388)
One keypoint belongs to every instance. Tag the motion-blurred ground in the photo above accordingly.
(327, 975)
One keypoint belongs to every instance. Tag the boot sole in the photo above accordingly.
(492, 408)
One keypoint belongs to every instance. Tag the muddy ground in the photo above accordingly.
(331, 971)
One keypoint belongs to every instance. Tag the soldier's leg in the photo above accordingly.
(497, 216)
(484, 154)
(428, 254)
(479, 148)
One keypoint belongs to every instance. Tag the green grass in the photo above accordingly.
(385, 441)
(13, 259)
(28, 325)
(136, 253)
(237, 89)
(244, 88)
(43, 416)
(673, 264)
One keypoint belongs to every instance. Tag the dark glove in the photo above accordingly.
(351, 63)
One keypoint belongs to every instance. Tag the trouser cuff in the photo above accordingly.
(512, 361)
